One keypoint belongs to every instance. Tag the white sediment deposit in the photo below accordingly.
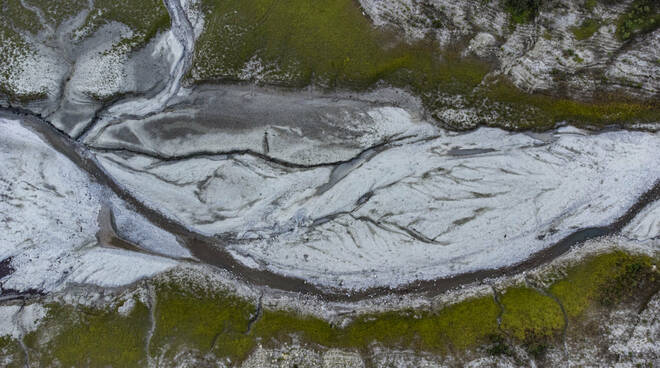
(48, 221)
(425, 204)
(421, 203)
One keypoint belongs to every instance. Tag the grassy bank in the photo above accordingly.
(329, 43)
(296, 43)
(196, 319)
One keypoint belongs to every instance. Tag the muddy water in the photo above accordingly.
(210, 250)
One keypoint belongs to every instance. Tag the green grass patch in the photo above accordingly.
(529, 315)
(328, 43)
(590, 4)
(89, 337)
(456, 327)
(145, 17)
(11, 353)
(606, 280)
(189, 319)
(14, 15)
(56, 12)
(276, 327)
(296, 43)
(540, 111)
(586, 29)
(522, 11)
(642, 16)
(193, 318)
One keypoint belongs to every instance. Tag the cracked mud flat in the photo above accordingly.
(333, 204)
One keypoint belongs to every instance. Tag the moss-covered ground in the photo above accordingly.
(642, 16)
(145, 17)
(90, 337)
(522, 11)
(11, 353)
(194, 318)
(188, 320)
(605, 280)
(530, 315)
(330, 43)
(586, 29)
(333, 45)
(538, 111)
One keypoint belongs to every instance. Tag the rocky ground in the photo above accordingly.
(280, 183)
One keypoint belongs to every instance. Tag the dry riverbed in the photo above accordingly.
(358, 184)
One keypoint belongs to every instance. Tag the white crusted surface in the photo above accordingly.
(48, 217)
(646, 225)
(29, 68)
(8, 315)
(448, 204)
(113, 267)
(137, 229)
(100, 71)
(301, 130)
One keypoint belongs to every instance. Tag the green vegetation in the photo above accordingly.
(191, 317)
(296, 43)
(606, 280)
(586, 29)
(11, 353)
(590, 4)
(57, 12)
(529, 315)
(642, 16)
(14, 16)
(89, 337)
(522, 11)
(328, 43)
(196, 319)
(456, 327)
(188, 318)
(539, 111)
(145, 17)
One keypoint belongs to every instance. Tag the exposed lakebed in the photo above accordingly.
(405, 212)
